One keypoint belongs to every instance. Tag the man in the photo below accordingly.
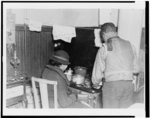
(55, 71)
(116, 62)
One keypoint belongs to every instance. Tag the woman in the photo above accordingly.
(55, 71)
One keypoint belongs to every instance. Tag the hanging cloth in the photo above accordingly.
(64, 33)
(35, 25)
(98, 42)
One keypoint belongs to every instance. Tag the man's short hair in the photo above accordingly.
(105, 28)
(108, 27)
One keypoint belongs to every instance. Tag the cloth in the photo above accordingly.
(118, 94)
(118, 64)
(34, 25)
(64, 33)
(65, 97)
(97, 40)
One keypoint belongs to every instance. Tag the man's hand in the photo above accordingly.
(96, 86)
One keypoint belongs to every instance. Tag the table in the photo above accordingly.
(16, 93)
(93, 97)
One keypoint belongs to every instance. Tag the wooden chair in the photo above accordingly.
(43, 83)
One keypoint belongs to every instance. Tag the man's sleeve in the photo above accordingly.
(99, 66)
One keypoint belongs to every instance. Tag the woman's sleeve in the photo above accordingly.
(64, 98)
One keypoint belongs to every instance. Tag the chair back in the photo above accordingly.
(43, 83)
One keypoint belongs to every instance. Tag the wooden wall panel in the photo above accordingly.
(19, 48)
(28, 54)
(47, 51)
(33, 49)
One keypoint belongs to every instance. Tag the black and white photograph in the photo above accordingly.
(74, 58)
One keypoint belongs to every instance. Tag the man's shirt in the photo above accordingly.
(101, 63)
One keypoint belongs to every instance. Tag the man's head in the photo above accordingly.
(60, 59)
(108, 30)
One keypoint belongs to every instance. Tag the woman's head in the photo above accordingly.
(60, 59)
(63, 67)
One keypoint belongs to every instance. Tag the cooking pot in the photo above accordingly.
(80, 71)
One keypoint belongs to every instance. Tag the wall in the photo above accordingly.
(130, 26)
(20, 15)
(143, 20)
(109, 15)
(70, 17)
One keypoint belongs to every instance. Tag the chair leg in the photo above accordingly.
(25, 104)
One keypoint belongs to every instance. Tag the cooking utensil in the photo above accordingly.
(78, 79)
(80, 71)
